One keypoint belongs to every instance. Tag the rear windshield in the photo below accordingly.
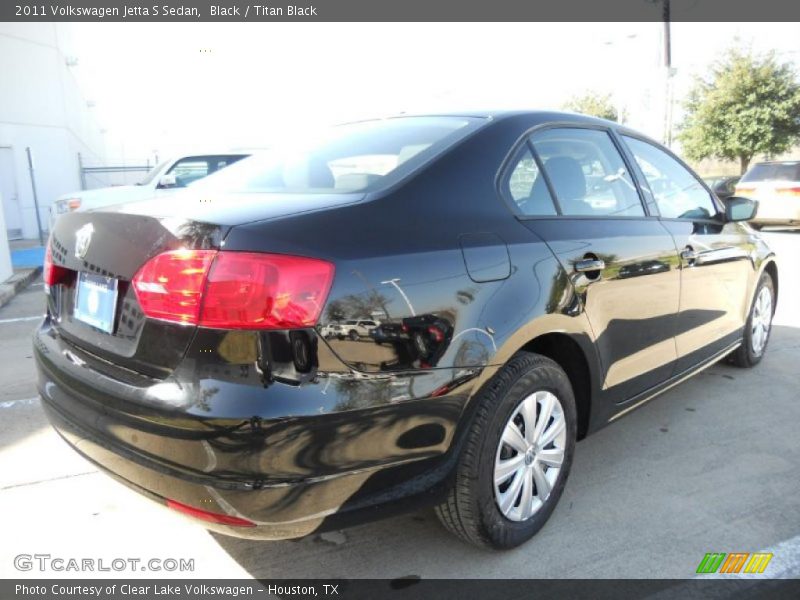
(356, 157)
(773, 172)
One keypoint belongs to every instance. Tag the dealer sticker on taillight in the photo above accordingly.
(96, 301)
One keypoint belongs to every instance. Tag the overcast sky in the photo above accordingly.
(166, 87)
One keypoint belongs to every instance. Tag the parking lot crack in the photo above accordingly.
(27, 483)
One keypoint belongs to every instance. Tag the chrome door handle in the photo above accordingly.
(689, 254)
(589, 264)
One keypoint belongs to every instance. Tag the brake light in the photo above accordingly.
(74, 203)
(52, 274)
(170, 286)
(234, 290)
(206, 515)
(790, 191)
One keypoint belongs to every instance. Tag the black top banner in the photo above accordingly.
(399, 10)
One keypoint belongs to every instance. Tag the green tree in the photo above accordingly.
(747, 104)
(596, 105)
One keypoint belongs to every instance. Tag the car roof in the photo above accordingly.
(777, 162)
(497, 115)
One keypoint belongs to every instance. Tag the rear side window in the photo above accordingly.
(587, 173)
(677, 192)
(526, 186)
(356, 157)
(773, 172)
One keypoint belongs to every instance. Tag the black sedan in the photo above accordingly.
(181, 349)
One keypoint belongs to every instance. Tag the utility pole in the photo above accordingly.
(669, 72)
(667, 40)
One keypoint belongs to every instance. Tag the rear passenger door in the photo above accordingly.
(716, 271)
(573, 188)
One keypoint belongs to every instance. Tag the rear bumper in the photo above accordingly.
(778, 211)
(289, 475)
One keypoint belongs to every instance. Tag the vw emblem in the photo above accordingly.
(83, 237)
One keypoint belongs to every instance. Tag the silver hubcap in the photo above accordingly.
(529, 456)
(762, 320)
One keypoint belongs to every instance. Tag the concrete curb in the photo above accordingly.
(17, 282)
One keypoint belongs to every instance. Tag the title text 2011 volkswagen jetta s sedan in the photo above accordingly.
(530, 277)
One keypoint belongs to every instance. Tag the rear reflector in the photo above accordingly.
(211, 517)
(52, 274)
(234, 290)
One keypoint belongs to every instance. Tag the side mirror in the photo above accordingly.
(167, 181)
(740, 209)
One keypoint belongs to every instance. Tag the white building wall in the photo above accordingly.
(41, 107)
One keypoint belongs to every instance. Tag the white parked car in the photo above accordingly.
(776, 186)
(352, 328)
(164, 178)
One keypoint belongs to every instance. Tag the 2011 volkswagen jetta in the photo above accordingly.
(533, 276)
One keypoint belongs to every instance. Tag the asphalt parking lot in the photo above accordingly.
(710, 466)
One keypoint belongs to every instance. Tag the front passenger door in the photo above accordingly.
(716, 270)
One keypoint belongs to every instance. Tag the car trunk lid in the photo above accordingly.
(94, 305)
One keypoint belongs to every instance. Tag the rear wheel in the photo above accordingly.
(353, 334)
(517, 455)
(758, 326)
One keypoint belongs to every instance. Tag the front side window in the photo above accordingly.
(677, 192)
(188, 170)
(356, 157)
(587, 173)
(193, 168)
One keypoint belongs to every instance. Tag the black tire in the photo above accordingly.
(746, 356)
(470, 510)
(353, 335)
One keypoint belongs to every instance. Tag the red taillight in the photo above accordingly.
(209, 516)
(744, 191)
(265, 291)
(170, 286)
(74, 203)
(234, 290)
(52, 274)
(788, 191)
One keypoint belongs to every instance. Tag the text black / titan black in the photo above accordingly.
(424, 310)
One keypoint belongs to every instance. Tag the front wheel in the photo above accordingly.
(517, 455)
(759, 325)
